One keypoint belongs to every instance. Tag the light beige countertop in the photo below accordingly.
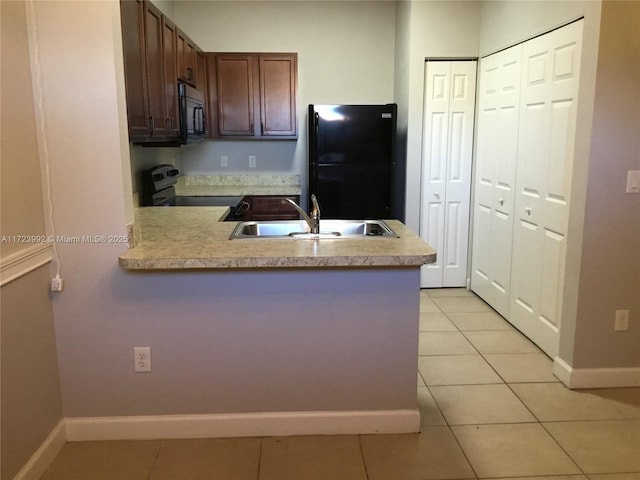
(179, 238)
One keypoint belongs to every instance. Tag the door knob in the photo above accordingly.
(501, 201)
(528, 210)
(437, 195)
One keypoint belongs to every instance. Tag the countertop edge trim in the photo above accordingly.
(270, 263)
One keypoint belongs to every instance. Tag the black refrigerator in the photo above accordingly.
(353, 170)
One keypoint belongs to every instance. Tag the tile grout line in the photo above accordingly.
(260, 458)
(155, 459)
(574, 461)
(364, 462)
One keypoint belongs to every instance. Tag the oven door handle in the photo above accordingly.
(243, 207)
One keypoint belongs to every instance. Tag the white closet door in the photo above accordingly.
(496, 155)
(446, 169)
(550, 78)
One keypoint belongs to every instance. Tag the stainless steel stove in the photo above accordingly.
(158, 190)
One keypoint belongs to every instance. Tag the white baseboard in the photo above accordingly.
(44, 455)
(243, 425)
(78, 429)
(595, 377)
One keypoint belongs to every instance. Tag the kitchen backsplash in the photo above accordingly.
(265, 179)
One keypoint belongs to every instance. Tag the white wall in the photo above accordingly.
(610, 261)
(30, 390)
(507, 23)
(79, 54)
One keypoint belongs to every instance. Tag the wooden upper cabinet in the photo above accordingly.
(252, 96)
(278, 95)
(170, 77)
(186, 54)
(132, 18)
(153, 29)
(201, 71)
(235, 96)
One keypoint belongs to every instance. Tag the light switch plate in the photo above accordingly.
(622, 321)
(633, 181)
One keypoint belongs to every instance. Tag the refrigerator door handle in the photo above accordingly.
(316, 123)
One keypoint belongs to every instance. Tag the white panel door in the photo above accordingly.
(496, 156)
(446, 169)
(549, 90)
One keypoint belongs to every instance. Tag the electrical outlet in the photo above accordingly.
(252, 161)
(57, 284)
(142, 359)
(633, 181)
(224, 161)
(622, 321)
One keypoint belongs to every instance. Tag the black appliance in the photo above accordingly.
(353, 170)
(192, 117)
(158, 190)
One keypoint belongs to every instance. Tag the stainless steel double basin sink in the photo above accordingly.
(299, 229)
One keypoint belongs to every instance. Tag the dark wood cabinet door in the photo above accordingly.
(169, 45)
(235, 95)
(186, 54)
(201, 86)
(201, 71)
(155, 74)
(254, 95)
(278, 95)
(132, 18)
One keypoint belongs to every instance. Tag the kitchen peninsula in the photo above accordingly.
(194, 237)
(322, 333)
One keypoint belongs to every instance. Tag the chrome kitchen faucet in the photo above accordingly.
(314, 220)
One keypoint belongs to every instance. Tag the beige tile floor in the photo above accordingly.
(490, 408)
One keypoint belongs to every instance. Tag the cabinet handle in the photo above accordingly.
(152, 124)
(528, 210)
(501, 202)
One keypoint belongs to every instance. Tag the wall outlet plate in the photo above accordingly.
(633, 181)
(141, 359)
(622, 321)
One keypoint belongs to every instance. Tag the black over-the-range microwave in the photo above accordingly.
(192, 117)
